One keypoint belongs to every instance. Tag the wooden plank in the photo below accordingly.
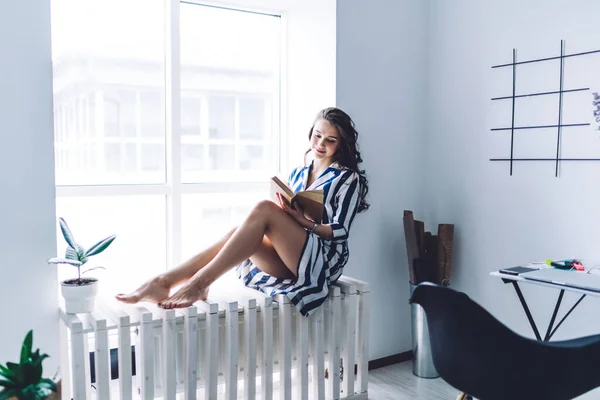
(318, 354)
(201, 346)
(350, 304)
(212, 348)
(446, 243)
(190, 329)
(267, 353)
(421, 240)
(364, 310)
(123, 320)
(412, 246)
(364, 295)
(78, 359)
(101, 356)
(169, 383)
(264, 307)
(86, 361)
(124, 357)
(231, 364)
(333, 344)
(65, 364)
(302, 357)
(285, 343)
(250, 345)
(145, 371)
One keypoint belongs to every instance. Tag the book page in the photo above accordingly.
(315, 195)
(278, 186)
(313, 209)
(311, 201)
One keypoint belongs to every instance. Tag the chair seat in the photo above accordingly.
(477, 354)
(577, 342)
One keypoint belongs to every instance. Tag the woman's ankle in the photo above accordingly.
(163, 280)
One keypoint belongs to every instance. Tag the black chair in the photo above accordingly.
(477, 354)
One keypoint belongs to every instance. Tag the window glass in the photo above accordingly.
(253, 119)
(138, 252)
(209, 217)
(110, 114)
(108, 90)
(236, 73)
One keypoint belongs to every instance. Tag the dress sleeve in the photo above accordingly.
(341, 205)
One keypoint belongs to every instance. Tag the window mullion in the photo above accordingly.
(173, 132)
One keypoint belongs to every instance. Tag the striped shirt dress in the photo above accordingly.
(322, 260)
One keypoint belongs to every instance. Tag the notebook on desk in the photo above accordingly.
(573, 279)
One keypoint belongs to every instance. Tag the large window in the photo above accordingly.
(166, 126)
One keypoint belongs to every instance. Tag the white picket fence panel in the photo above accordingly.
(250, 347)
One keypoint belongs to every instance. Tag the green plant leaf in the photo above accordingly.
(7, 384)
(16, 370)
(7, 394)
(71, 254)
(100, 246)
(26, 347)
(81, 253)
(42, 393)
(29, 393)
(67, 233)
(48, 384)
(37, 374)
(57, 260)
(6, 373)
(30, 372)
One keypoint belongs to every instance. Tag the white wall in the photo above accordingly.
(27, 237)
(504, 220)
(381, 82)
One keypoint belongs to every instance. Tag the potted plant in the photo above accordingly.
(23, 381)
(79, 293)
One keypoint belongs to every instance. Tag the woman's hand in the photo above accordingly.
(294, 211)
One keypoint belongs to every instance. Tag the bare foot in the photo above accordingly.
(153, 291)
(186, 296)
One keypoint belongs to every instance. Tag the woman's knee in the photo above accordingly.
(264, 208)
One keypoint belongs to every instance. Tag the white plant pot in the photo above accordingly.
(79, 298)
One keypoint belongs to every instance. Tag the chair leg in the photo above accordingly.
(464, 396)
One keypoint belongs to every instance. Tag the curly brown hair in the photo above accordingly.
(347, 154)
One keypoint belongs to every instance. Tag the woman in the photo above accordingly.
(277, 249)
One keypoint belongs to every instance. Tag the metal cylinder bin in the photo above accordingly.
(421, 346)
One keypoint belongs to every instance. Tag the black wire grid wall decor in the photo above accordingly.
(559, 126)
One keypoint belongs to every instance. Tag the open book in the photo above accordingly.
(311, 201)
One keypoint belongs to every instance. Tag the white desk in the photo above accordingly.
(515, 279)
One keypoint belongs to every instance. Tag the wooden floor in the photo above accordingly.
(397, 382)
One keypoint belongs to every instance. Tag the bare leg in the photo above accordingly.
(158, 288)
(267, 219)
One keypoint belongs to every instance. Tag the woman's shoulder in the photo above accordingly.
(344, 173)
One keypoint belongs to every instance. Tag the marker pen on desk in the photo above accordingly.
(566, 264)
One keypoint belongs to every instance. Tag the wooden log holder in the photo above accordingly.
(429, 256)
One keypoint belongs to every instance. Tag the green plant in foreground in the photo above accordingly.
(24, 380)
(76, 255)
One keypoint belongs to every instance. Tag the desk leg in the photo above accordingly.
(566, 315)
(556, 307)
(527, 312)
